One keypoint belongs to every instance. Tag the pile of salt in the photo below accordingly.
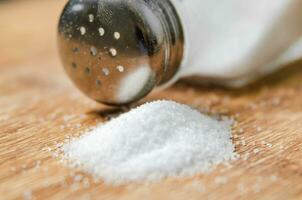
(151, 142)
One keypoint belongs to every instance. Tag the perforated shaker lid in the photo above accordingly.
(117, 51)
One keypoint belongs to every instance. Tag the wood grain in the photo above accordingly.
(40, 108)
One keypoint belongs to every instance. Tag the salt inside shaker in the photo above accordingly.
(117, 51)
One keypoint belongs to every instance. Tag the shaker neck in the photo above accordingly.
(173, 38)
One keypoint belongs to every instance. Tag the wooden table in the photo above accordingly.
(39, 108)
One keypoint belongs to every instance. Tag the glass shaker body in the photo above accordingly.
(234, 42)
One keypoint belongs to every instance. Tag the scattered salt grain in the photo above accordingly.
(241, 188)
(151, 142)
(86, 183)
(13, 169)
(246, 156)
(256, 188)
(77, 178)
(196, 186)
(46, 183)
(274, 178)
(259, 129)
(256, 151)
(269, 145)
(221, 180)
(27, 195)
(75, 187)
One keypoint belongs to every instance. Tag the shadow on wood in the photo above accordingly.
(273, 80)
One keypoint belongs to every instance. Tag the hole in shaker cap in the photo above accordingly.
(106, 71)
(113, 52)
(93, 51)
(83, 30)
(91, 18)
(120, 68)
(101, 31)
(117, 35)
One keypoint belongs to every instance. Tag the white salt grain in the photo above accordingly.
(221, 180)
(151, 142)
(27, 195)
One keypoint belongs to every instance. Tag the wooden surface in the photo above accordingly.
(40, 108)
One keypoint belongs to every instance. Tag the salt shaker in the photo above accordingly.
(117, 51)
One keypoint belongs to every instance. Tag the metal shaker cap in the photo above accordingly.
(117, 51)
